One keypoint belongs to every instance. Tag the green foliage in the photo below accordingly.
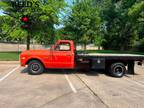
(18, 34)
(43, 17)
(121, 30)
(83, 22)
(9, 30)
(113, 24)
(139, 46)
(137, 11)
(99, 40)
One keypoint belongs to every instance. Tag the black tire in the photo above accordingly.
(35, 67)
(117, 70)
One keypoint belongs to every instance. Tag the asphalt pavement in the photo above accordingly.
(69, 89)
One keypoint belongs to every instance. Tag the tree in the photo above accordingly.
(83, 22)
(43, 16)
(121, 30)
(136, 12)
(98, 41)
(9, 31)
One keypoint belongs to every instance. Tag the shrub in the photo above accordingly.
(139, 46)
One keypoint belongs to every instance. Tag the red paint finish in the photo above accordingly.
(61, 55)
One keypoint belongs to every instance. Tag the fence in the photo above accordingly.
(6, 47)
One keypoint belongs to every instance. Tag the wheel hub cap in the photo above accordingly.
(35, 67)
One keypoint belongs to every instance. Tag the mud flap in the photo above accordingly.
(131, 67)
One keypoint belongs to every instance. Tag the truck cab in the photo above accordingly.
(61, 55)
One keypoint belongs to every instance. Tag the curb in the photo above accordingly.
(9, 62)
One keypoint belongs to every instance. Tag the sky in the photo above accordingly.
(69, 1)
(1, 13)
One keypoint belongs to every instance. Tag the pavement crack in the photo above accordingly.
(91, 90)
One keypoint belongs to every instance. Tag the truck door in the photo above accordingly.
(62, 56)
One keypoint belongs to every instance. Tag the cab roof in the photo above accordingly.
(64, 41)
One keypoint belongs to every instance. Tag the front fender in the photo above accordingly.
(35, 58)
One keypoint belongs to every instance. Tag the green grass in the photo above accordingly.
(111, 52)
(9, 56)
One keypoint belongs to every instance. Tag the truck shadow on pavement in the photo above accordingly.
(68, 71)
(86, 72)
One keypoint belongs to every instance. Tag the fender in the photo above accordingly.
(35, 58)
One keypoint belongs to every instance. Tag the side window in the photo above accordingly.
(63, 47)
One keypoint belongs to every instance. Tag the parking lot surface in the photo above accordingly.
(69, 89)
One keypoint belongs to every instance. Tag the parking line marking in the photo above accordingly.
(9, 73)
(70, 84)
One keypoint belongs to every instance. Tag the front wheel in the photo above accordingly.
(35, 67)
(117, 70)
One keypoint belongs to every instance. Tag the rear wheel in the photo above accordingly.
(35, 67)
(117, 69)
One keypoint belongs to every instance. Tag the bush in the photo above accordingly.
(139, 46)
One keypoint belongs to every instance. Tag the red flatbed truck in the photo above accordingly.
(63, 55)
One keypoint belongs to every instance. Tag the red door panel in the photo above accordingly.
(62, 59)
(62, 56)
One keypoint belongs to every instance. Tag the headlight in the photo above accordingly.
(23, 58)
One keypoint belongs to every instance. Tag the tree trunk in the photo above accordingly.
(28, 42)
(84, 46)
(99, 47)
